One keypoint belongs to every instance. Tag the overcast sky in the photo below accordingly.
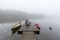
(51, 7)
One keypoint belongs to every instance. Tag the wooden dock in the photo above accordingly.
(28, 33)
(28, 36)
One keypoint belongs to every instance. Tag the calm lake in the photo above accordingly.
(46, 33)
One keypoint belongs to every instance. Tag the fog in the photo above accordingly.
(44, 12)
(47, 7)
(15, 16)
(10, 15)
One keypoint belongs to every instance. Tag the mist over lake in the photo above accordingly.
(46, 21)
(46, 33)
(44, 12)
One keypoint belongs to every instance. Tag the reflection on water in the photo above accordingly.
(46, 34)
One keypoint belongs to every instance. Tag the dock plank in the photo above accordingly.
(29, 28)
(28, 33)
(28, 36)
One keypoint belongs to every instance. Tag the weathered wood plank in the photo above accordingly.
(29, 28)
(28, 33)
(28, 36)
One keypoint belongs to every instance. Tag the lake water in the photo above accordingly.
(46, 33)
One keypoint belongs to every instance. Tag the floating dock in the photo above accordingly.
(28, 36)
(29, 32)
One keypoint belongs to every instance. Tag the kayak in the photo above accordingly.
(37, 26)
(15, 28)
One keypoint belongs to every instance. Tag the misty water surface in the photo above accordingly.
(46, 34)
